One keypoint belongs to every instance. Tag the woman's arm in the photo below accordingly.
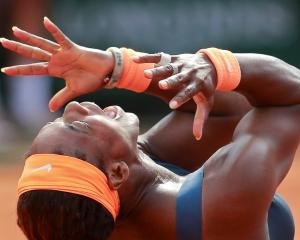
(266, 81)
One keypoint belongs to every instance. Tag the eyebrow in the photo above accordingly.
(27, 154)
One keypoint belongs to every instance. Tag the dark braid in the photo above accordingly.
(53, 215)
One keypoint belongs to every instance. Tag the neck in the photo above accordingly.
(145, 175)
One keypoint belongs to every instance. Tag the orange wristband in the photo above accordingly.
(132, 76)
(227, 67)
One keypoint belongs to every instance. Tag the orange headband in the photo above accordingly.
(227, 67)
(68, 174)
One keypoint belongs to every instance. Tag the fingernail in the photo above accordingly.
(3, 70)
(51, 108)
(47, 19)
(14, 28)
(2, 39)
(198, 138)
(163, 84)
(173, 104)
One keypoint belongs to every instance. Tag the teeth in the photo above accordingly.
(111, 114)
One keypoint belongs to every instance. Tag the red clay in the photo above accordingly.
(290, 189)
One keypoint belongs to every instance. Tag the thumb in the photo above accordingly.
(61, 98)
(200, 116)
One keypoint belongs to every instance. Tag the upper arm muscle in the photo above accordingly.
(241, 179)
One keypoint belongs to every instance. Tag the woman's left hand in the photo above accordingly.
(83, 69)
(194, 77)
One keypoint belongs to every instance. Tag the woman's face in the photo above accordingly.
(108, 133)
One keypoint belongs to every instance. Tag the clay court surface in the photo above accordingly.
(9, 174)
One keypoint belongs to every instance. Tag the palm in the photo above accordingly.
(71, 66)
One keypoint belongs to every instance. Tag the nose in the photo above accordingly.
(92, 106)
(74, 110)
(75, 106)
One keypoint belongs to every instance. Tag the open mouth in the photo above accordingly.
(113, 112)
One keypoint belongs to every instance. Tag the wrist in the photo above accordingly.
(107, 61)
(118, 62)
(99, 62)
(127, 73)
(110, 62)
(203, 59)
(226, 66)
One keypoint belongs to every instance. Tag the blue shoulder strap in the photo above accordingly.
(280, 220)
(189, 208)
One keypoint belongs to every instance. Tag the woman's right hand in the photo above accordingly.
(195, 79)
(83, 69)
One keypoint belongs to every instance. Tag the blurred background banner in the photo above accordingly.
(257, 26)
(269, 26)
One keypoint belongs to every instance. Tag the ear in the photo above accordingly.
(118, 173)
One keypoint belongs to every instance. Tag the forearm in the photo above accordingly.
(225, 104)
(268, 81)
(130, 75)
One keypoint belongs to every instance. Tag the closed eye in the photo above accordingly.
(71, 127)
(78, 126)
